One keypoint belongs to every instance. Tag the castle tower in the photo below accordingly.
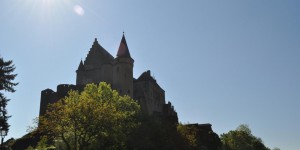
(97, 67)
(123, 70)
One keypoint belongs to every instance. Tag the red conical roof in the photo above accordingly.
(123, 49)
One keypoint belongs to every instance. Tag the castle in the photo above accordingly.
(101, 66)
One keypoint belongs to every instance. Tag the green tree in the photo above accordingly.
(189, 134)
(242, 139)
(244, 128)
(98, 117)
(6, 84)
(198, 138)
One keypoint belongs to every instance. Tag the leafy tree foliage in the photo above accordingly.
(199, 138)
(28, 140)
(189, 133)
(242, 139)
(97, 118)
(6, 84)
(244, 128)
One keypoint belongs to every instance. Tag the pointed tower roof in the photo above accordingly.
(97, 56)
(95, 42)
(81, 66)
(123, 49)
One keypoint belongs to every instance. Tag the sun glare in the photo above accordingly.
(60, 5)
(50, 3)
(78, 10)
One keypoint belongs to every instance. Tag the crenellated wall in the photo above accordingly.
(48, 96)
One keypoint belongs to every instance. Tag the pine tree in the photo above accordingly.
(6, 84)
(3, 112)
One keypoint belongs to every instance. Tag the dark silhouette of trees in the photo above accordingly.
(6, 84)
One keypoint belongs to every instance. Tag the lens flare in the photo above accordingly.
(78, 10)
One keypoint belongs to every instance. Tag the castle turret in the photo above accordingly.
(81, 66)
(48, 96)
(80, 73)
(123, 70)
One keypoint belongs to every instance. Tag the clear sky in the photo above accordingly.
(221, 62)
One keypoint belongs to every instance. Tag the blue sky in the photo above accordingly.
(221, 62)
